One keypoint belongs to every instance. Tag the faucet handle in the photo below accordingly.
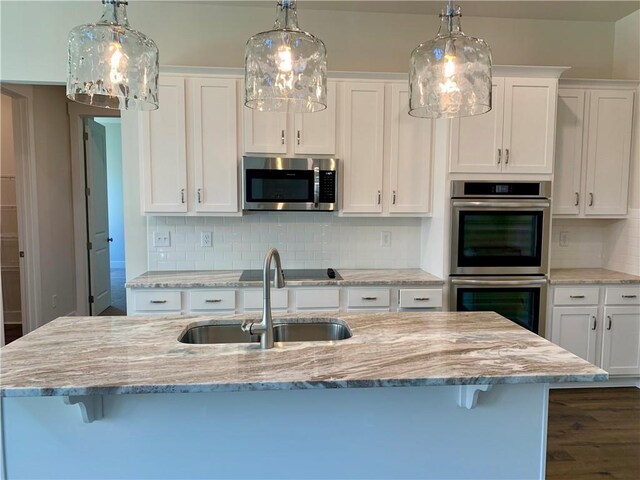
(246, 325)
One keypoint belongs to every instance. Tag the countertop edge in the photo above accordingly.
(338, 283)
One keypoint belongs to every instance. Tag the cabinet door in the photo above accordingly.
(163, 151)
(529, 124)
(609, 143)
(363, 130)
(621, 340)
(315, 133)
(411, 156)
(575, 329)
(476, 142)
(212, 111)
(566, 180)
(265, 132)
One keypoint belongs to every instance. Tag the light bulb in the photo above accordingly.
(118, 62)
(285, 62)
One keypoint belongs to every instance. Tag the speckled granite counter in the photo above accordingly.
(586, 276)
(120, 355)
(231, 279)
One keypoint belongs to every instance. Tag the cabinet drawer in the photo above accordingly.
(213, 300)
(253, 299)
(576, 296)
(318, 298)
(368, 297)
(157, 301)
(622, 296)
(420, 298)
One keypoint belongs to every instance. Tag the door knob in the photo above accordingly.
(110, 239)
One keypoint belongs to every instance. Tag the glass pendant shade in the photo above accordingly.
(285, 68)
(450, 76)
(111, 65)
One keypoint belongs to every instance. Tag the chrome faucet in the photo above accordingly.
(264, 328)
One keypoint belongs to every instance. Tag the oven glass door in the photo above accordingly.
(500, 238)
(279, 186)
(519, 304)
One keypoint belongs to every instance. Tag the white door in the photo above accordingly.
(163, 151)
(265, 132)
(315, 133)
(568, 163)
(411, 156)
(529, 124)
(97, 215)
(212, 110)
(476, 142)
(576, 329)
(609, 141)
(621, 340)
(363, 131)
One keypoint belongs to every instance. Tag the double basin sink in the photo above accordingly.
(312, 331)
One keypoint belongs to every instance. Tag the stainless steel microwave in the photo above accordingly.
(298, 184)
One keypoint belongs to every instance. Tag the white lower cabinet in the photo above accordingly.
(599, 324)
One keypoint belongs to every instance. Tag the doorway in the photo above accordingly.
(104, 215)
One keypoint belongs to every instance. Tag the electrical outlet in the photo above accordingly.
(385, 239)
(161, 239)
(564, 239)
(54, 301)
(205, 239)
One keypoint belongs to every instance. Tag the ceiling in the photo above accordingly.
(536, 9)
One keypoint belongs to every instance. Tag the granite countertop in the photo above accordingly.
(231, 279)
(128, 355)
(587, 276)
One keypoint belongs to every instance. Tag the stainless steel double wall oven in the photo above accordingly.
(500, 249)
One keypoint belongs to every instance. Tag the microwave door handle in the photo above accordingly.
(316, 187)
(541, 204)
(500, 283)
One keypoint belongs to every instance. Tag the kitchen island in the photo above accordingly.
(473, 403)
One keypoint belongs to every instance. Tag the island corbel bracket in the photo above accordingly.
(90, 406)
(468, 395)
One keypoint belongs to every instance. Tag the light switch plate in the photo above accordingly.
(385, 239)
(162, 239)
(564, 239)
(205, 239)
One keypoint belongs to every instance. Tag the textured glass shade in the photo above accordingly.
(450, 76)
(111, 65)
(285, 68)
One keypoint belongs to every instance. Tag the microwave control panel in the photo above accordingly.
(328, 182)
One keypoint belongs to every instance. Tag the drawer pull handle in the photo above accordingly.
(609, 322)
(629, 296)
(158, 301)
(595, 323)
(369, 298)
(421, 299)
(213, 300)
(576, 296)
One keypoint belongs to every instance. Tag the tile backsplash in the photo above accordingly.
(585, 243)
(317, 240)
(623, 244)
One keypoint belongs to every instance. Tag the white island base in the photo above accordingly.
(403, 432)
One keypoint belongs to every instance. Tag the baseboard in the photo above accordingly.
(611, 383)
(13, 318)
(117, 264)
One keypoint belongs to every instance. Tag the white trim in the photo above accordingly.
(612, 382)
(77, 112)
(26, 198)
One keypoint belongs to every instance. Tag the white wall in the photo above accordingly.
(305, 240)
(206, 34)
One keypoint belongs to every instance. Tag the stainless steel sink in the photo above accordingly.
(320, 330)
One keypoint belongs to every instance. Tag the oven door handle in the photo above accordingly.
(539, 204)
(499, 283)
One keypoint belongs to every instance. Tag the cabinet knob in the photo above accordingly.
(577, 199)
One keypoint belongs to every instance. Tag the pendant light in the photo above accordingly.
(111, 65)
(285, 69)
(450, 76)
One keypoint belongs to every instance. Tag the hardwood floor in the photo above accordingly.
(594, 433)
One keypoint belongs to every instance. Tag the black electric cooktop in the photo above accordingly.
(293, 274)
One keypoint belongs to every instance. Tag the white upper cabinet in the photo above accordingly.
(212, 112)
(516, 136)
(410, 157)
(292, 135)
(593, 143)
(362, 126)
(194, 130)
(566, 188)
(608, 152)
